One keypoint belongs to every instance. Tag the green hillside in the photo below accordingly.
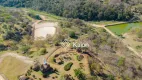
(82, 47)
(82, 9)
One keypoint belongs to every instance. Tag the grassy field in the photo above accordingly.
(123, 28)
(47, 15)
(105, 22)
(12, 68)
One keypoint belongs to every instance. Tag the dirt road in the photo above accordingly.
(19, 57)
(115, 36)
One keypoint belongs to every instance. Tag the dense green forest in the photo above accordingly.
(120, 10)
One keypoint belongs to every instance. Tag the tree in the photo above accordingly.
(82, 9)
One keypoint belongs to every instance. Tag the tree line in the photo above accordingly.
(83, 9)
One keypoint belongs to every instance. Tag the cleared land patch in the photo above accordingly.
(1, 78)
(12, 67)
(44, 29)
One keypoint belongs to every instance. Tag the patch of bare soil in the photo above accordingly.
(44, 29)
(1, 78)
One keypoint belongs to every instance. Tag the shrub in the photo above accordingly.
(2, 47)
(38, 17)
(25, 49)
(67, 77)
(79, 74)
(35, 16)
(121, 61)
(80, 57)
(72, 35)
(68, 66)
(57, 43)
(140, 34)
(42, 51)
(66, 24)
(36, 67)
(110, 77)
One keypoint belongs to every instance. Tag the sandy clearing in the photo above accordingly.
(44, 29)
(1, 78)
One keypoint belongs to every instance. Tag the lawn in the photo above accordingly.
(123, 28)
(12, 68)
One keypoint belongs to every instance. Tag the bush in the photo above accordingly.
(25, 49)
(57, 43)
(68, 66)
(79, 74)
(66, 24)
(140, 34)
(67, 77)
(110, 77)
(35, 16)
(80, 57)
(121, 61)
(72, 35)
(2, 47)
(42, 51)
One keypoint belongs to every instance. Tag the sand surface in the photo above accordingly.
(44, 29)
(1, 78)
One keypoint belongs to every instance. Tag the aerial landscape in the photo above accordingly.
(70, 39)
